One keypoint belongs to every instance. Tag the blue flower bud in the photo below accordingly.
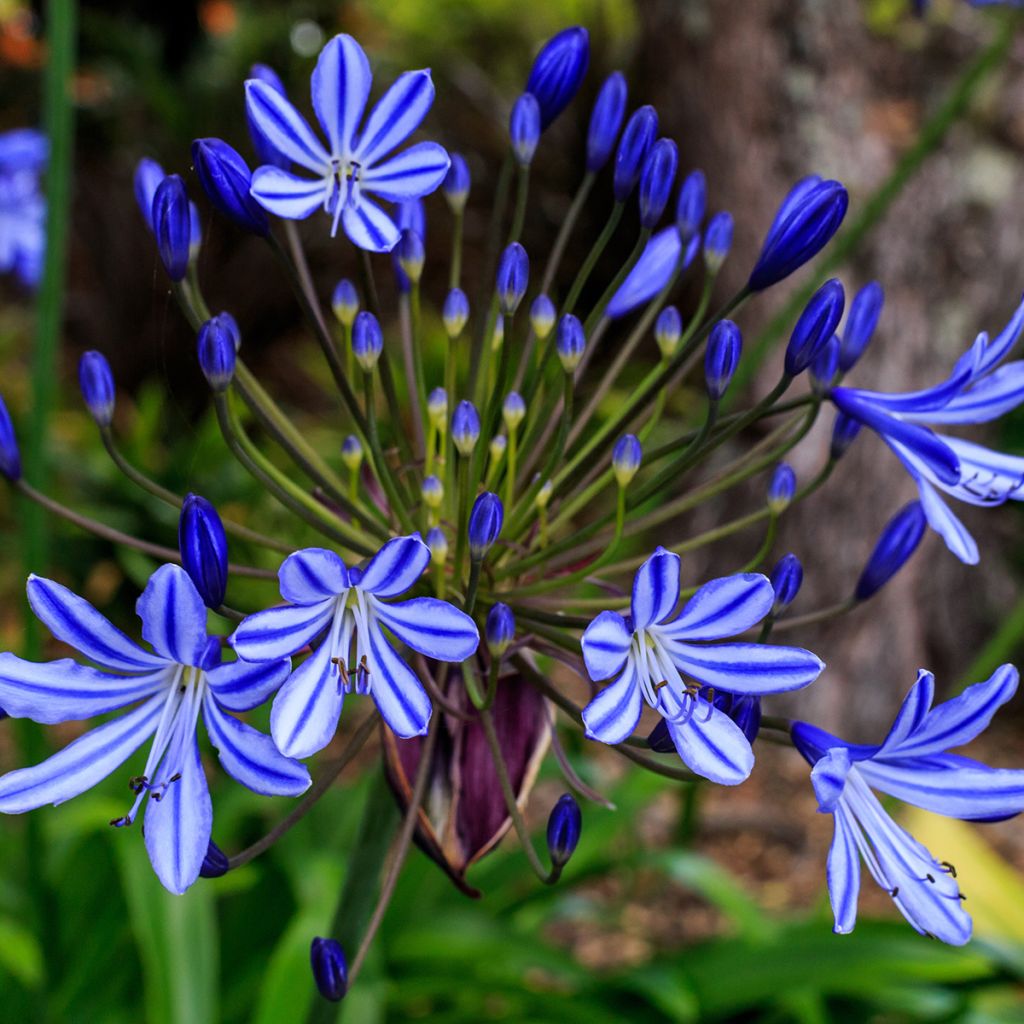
(634, 146)
(432, 491)
(226, 180)
(513, 410)
(367, 340)
(825, 366)
(496, 449)
(722, 357)
(865, 309)
(805, 223)
(786, 578)
(626, 456)
(437, 408)
(544, 494)
(352, 452)
(148, 175)
(524, 128)
(815, 327)
(656, 181)
(345, 302)
(668, 329)
(570, 342)
(215, 863)
(899, 540)
(229, 324)
(691, 205)
(195, 232)
(457, 182)
(438, 544)
(606, 120)
(411, 255)
(513, 277)
(660, 739)
(172, 225)
(564, 826)
(465, 428)
(455, 312)
(97, 385)
(542, 316)
(330, 969)
(717, 241)
(557, 72)
(216, 346)
(844, 432)
(498, 334)
(485, 520)
(500, 629)
(745, 711)
(10, 457)
(204, 549)
(266, 151)
(781, 488)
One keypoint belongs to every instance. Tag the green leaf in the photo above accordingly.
(20, 953)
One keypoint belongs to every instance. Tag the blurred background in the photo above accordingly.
(669, 911)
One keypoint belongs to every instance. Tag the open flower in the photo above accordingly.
(177, 681)
(348, 607)
(913, 765)
(652, 652)
(23, 155)
(353, 164)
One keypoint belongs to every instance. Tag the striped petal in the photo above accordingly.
(415, 172)
(991, 397)
(655, 589)
(396, 567)
(173, 616)
(279, 632)
(613, 714)
(605, 645)
(712, 744)
(432, 627)
(369, 227)
(721, 608)
(843, 872)
(288, 195)
(1000, 346)
(746, 668)
(654, 269)
(311, 575)
(284, 127)
(945, 523)
(396, 116)
(911, 716)
(304, 716)
(828, 777)
(340, 86)
(396, 689)
(242, 685)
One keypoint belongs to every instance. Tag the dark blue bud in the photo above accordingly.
(722, 357)
(457, 182)
(865, 309)
(485, 522)
(815, 327)
(465, 428)
(266, 151)
(345, 302)
(455, 312)
(564, 826)
(825, 366)
(97, 385)
(10, 457)
(367, 340)
(606, 120)
(805, 223)
(745, 711)
(172, 225)
(570, 341)
(717, 241)
(634, 146)
(204, 549)
(500, 628)
(330, 969)
(148, 175)
(668, 329)
(226, 179)
(557, 72)
(691, 205)
(411, 256)
(230, 324)
(216, 346)
(656, 181)
(3, 714)
(660, 739)
(786, 579)
(626, 456)
(781, 488)
(899, 540)
(513, 277)
(524, 128)
(844, 432)
(215, 863)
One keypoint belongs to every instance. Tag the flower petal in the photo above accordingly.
(843, 873)
(722, 607)
(80, 765)
(64, 691)
(284, 127)
(1001, 344)
(243, 685)
(288, 195)
(250, 757)
(746, 668)
(613, 714)
(990, 398)
(944, 522)
(305, 712)
(911, 715)
(369, 227)
(311, 575)
(416, 171)
(655, 589)
(395, 688)
(279, 632)
(396, 116)
(657, 263)
(173, 616)
(712, 744)
(432, 627)
(605, 645)
(828, 777)
(72, 619)
(340, 85)
(396, 567)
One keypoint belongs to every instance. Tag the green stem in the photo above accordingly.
(399, 505)
(593, 256)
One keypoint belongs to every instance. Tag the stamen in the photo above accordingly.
(948, 868)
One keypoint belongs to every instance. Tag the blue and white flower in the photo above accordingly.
(349, 608)
(180, 679)
(977, 391)
(665, 660)
(912, 765)
(354, 163)
(23, 155)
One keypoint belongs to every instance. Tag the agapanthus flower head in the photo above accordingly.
(345, 302)
(215, 863)
(570, 341)
(781, 488)
(911, 764)
(722, 357)
(172, 225)
(226, 180)
(865, 309)
(465, 428)
(804, 224)
(691, 205)
(815, 326)
(898, 541)
(266, 151)
(717, 241)
(355, 163)
(825, 366)
(204, 549)
(432, 491)
(148, 175)
(437, 408)
(455, 312)
(786, 578)
(96, 382)
(485, 522)
(216, 347)
(411, 255)
(500, 628)
(844, 433)
(558, 70)
(352, 452)
(606, 120)
(438, 544)
(330, 968)
(457, 182)
(10, 456)
(524, 128)
(564, 826)
(626, 457)
(668, 329)
(513, 410)
(656, 181)
(513, 278)
(367, 340)
(637, 138)
(542, 316)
